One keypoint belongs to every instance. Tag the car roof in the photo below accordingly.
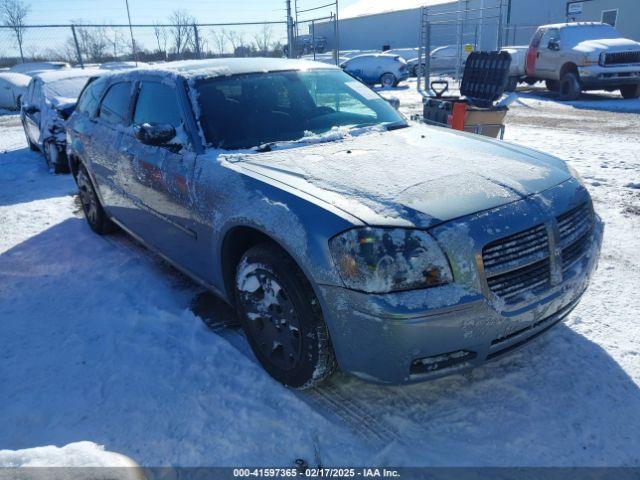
(575, 24)
(49, 76)
(15, 78)
(226, 66)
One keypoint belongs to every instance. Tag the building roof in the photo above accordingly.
(372, 7)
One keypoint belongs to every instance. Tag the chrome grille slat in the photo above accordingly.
(622, 58)
(518, 263)
(575, 227)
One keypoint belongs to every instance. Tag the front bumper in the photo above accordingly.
(596, 76)
(419, 335)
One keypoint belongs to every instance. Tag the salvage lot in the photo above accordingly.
(100, 341)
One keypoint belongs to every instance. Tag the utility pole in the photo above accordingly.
(290, 50)
(133, 42)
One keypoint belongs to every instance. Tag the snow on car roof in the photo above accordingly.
(50, 76)
(231, 66)
(576, 24)
(15, 78)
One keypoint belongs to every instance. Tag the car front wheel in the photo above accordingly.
(388, 80)
(282, 319)
(570, 88)
(630, 91)
(93, 211)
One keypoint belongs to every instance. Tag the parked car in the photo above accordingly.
(49, 100)
(12, 87)
(443, 60)
(406, 53)
(574, 57)
(377, 68)
(121, 65)
(342, 234)
(516, 70)
(33, 68)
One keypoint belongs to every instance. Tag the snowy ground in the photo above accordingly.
(100, 342)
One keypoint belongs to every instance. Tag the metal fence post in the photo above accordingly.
(313, 38)
(197, 41)
(75, 41)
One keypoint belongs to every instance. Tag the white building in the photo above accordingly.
(378, 24)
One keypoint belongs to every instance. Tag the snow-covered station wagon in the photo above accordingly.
(344, 235)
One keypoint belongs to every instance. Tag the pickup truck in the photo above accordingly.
(576, 57)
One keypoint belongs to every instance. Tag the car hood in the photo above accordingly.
(416, 176)
(607, 45)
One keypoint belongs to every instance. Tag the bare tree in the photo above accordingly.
(236, 39)
(181, 30)
(160, 33)
(219, 38)
(14, 13)
(263, 39)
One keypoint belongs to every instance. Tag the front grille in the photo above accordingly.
(621, 58)
(518, 264)
(575, 227)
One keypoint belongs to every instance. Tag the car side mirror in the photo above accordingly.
(554, 45)
(30, 109)
(155, 134)
(394, 102)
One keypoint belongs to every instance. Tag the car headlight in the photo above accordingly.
(382, 260)
(574, 173)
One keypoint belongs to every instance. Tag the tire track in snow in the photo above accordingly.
(329, 398)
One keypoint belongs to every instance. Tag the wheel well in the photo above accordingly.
(569, 68)
(236, 242)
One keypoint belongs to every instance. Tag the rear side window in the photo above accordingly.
(90, 98)
(115, 105)
(157, 103)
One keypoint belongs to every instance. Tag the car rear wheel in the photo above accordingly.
(552, 85)
(630, 91)
(93, 211)
(32, 146)
(570, 88)
(282, 319)
(388, 80)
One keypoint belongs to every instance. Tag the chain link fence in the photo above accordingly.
(87, 45)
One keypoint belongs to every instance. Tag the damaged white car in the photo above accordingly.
(49, 100)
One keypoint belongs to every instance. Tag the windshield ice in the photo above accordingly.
(581, 33)
(245, 111)
(67, 88)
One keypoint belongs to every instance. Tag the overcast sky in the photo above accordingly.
(148, 11)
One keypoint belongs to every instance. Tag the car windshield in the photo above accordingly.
(244, 111)
(67, 88)
(581, 33)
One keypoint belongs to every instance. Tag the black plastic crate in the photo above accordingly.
(486, 75)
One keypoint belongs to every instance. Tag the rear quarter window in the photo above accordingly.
(115, 105)
(90, 98)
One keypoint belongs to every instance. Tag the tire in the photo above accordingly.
(630, 92)
(512, 84)
(33, 147)
(570, 88)
(388, 80)
(93, 211)
(282, 319)
(56, 160)
(552, 85)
